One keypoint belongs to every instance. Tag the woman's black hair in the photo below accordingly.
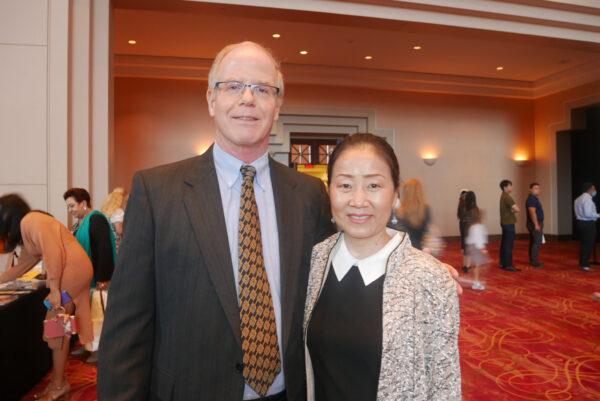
(79, 194)
(470, 200)
(12, 210)
(380, 145)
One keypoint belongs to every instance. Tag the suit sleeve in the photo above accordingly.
(101, 248)
(443, 361)
(325, 227)
(127, 341)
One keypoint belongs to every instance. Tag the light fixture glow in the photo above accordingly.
(521, 159)
(499, 68)
(368, 57)
(276, 35)
(429, 158)
(417, 47)
(303, 52)
(132, 42)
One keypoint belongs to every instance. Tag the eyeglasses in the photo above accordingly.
(236, 88)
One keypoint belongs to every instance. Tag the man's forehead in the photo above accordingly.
(247, 58)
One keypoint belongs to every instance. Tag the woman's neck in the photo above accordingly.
(362, 248)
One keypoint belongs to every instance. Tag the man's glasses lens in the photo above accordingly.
(237, 88)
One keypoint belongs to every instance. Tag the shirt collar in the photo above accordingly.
(371, 267)
(228, 166)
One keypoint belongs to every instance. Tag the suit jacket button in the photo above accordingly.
(239, 367)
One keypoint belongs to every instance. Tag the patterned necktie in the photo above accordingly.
(257, 316)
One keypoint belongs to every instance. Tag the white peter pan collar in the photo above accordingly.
(371, 267)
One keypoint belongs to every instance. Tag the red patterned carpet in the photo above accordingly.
(533, 335)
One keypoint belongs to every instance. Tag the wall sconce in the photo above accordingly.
(429, 158)
(521, 160)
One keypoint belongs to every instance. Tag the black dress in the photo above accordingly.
(344, 338)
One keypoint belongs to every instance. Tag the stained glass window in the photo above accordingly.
(324, 153)
(301, 153)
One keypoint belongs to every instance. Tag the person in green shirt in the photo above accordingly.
(508, 209)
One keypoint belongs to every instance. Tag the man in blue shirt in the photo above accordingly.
(535, 224)
(586, 215)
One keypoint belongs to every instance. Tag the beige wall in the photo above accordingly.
(553, 114)
(160, 121)
(33, 101)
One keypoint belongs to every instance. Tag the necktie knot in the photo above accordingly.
(248, 172)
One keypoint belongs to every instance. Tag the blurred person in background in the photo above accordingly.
(94, 233)
(413, 215)
(535, 224)
(476, 242)
(508, 219)
(68, 269)
(586, 215)
(462, 227)
(114, 208)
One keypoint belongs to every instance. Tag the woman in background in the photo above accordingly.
(94, 233)
(462, 226)
(68, 268)
(413, 214)
(114, 208)
(381, 318)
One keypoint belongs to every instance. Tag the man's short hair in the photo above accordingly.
(504, 184)
(212, 74)
(533, 184)
(587, 186)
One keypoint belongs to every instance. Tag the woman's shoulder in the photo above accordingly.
(420, 268)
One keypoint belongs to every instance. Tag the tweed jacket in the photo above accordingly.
(419, 358)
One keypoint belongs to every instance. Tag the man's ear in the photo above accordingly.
(210, 99)
(277, 109)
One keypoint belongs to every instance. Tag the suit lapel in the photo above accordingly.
(289, 227)
(202, 199)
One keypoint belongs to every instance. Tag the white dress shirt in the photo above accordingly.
(370, 268)
(585, 209)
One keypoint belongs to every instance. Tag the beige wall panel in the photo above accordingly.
(35, 195)
(23, 21)
(23, 114)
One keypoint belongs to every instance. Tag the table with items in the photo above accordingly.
(24, 357)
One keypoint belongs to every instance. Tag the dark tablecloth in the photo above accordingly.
(24, 356)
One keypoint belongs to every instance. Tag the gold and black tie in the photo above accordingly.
(257, 316)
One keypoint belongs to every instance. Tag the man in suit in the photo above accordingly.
(177, 324)
(172, 328)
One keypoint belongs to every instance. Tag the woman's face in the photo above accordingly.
(362, 193)
(76, 209)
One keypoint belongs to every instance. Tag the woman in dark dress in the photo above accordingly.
(382, 317)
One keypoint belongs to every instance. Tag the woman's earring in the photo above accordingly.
(333, 220)
(394, 219)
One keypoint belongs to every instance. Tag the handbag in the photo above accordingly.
(62, 324)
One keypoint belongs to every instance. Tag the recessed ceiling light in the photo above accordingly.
(368, 57)
(276, 35)
(417, 47)
(132, 42)
(499, 68)
(303, 52)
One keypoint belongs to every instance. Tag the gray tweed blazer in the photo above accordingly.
(419, 358)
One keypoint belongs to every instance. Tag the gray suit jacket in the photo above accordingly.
(171, 330)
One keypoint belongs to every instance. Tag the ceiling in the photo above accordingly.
(196, 31)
